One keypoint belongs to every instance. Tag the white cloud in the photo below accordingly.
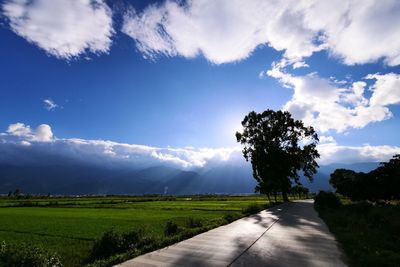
(334, 153)
(25, 143)
(42, 142)
(43, 133)
(26, 135)
(300, 64)
(386, 90)
(49, 104)
(355, 31)
(367, 31)
(19, 129)
(63, 28)
(327, 105)
(101, 151)
(223, 31)
(326, 139)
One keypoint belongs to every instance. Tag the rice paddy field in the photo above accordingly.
(70, 226)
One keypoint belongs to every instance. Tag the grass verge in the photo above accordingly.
(70, 227)
(368, 233)
(173, 233)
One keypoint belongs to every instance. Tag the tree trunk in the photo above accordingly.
(285, 196)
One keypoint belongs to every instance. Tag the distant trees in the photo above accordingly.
(300, 191)
(383, 183)
(17, 192)
(278, 147)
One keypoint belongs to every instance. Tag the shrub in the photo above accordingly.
(252, 208)
(27, 256)
(112, 243)
(324, 200)
(109, 244)
(193, 223)
(132, 239)
(171, 228)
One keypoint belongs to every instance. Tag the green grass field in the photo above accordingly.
(69, 226)
(368, 233)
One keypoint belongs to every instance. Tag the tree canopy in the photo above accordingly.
(383, 183)
(279, 147)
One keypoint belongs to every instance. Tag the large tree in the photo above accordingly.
(279, 147)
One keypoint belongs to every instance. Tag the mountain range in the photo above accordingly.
(79, 178)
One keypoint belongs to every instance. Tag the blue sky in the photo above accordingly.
(123, 97)
(184, 74)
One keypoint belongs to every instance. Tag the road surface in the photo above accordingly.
(290, 234)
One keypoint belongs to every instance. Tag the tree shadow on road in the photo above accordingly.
(292, 234)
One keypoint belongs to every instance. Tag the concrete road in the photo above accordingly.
(290, 234)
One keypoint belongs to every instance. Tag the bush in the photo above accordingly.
(132, 239)
(324, 200)
(252, 208)
(171, 228)
(112, 243)
(109, 244)
(193, 223)
(27, 256)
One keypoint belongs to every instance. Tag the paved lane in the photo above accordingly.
(290, 234)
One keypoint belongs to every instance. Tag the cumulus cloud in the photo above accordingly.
(334, 153)
(49, 104)
(355, 31)
(386, 90)
(222, 31)
(25, 134)
(43, 133)
(327, 105)
(22, 144)
(326, 139)
(100, 151)
(19, 129)
(63, 28)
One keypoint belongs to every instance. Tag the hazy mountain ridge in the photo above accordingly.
(75, 179)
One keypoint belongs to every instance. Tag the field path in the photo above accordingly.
(290, 234)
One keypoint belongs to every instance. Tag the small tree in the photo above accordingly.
(17, 192)
(278, 147)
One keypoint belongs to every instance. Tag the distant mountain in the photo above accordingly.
(321, 178)
(80, 178)
(68, 179)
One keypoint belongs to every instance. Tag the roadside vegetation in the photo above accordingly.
(365, 216)
(101, 231)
